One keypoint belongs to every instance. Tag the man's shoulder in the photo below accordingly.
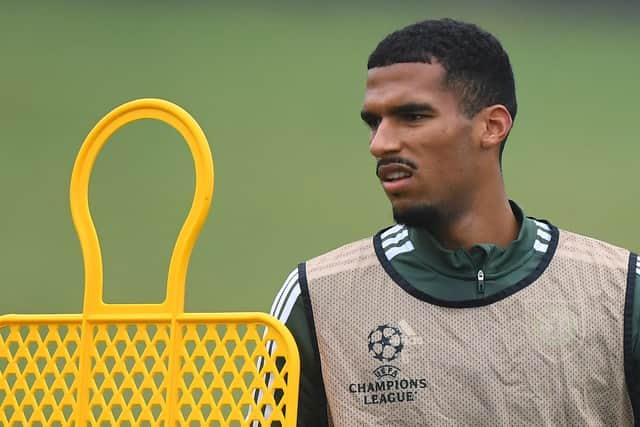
(350, 256)
(580, 247)
(345, 252)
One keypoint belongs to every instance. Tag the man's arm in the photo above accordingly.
(291, 307)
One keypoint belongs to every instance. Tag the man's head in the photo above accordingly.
(440, 102)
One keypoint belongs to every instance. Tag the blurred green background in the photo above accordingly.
(277, 88)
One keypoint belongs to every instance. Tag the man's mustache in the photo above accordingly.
(396, 160)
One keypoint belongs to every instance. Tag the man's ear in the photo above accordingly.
(496, 123)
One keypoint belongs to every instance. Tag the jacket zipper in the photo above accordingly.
(480, 286)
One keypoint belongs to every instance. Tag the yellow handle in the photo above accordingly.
(190, 130)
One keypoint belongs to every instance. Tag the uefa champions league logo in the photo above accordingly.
(385, 343)
(390, 386)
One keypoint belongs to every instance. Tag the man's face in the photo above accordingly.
(421, 138)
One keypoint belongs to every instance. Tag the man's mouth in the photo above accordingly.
(394, 169)
(394, 172)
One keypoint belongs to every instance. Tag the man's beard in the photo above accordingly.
(421, 216)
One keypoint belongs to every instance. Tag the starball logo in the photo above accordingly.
(385, 344)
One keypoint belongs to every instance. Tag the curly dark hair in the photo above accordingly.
(478, 68)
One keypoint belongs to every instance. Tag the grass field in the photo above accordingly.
(277, 91)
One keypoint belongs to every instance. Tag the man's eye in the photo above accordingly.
(414, 117)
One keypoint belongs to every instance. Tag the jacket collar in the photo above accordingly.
(492, 259)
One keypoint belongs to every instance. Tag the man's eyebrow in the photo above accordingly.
(412, 107)
(366, 116)
(408, 108)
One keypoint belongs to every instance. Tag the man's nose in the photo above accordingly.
(384, 140)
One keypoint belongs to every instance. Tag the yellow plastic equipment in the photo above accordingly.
(146, 364)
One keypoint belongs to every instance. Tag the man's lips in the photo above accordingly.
(395, 174)
(393, 169)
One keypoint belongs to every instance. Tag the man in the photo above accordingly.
(466, 312)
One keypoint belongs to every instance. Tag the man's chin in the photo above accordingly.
(423, 216)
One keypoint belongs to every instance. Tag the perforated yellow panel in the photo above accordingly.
(146, 364)
(129, 364)
(39, 365)
(225, 367)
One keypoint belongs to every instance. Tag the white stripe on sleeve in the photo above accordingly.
(391, 231)
(291, 300)
(397, 250)
(544, 235)
(540, 247)
(278, 302)
(543, 225)
(395, 239)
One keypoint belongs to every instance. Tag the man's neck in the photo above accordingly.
(486, 221)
